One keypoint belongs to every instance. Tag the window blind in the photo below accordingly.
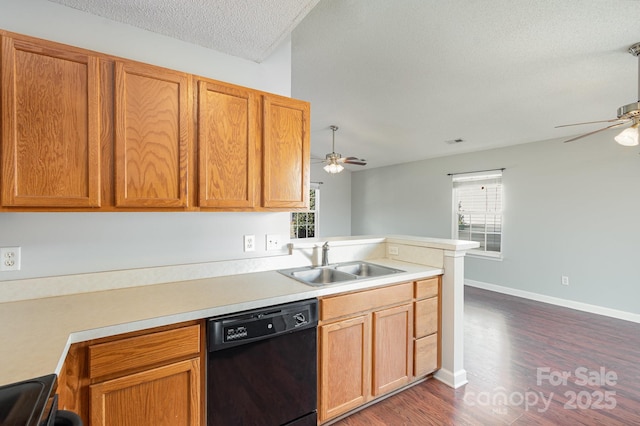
(478, 205)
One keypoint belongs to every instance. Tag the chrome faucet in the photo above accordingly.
(325, 254)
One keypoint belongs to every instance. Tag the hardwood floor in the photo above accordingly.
(517, 355)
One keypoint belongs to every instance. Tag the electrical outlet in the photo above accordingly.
(273, 242)
(565, 280)
(249, 243)
(393, 250)
(10, 259)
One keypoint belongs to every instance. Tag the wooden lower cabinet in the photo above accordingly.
(365, 347)
(426, 355)
(427, 326)
(392, 348)
(344, 365)
(167, 395)
(152, 378)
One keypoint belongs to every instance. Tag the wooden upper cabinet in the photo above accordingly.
(85, 131)
(152, 117)
(50, 126)
(228, 136)
(286, 153)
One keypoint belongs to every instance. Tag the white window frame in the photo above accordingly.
(316, 188)
(489, 177)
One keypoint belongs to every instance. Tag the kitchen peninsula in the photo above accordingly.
(42, 318)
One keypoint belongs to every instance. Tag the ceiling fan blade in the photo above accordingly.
(357, 161)
(591, 122)
(594, 132)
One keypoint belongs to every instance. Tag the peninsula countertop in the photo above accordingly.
(36, 334)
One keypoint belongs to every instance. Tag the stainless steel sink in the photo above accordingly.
(349, 271)
(321, 276)
(366, 269)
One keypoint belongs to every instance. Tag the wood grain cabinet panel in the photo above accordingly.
(426, 355)
(144, 378)
(392, 348)
(137, 352)
(427, 288)
(353, 303)
(286, 154)
(164, 396)
(50, 126)
(366, 347)
(83, 130)
(426, 314)
(152, 116)
(344, 366)
(228, 135)
(427, 326)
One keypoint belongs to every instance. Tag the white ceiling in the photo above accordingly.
(402, 77)
(250, 29)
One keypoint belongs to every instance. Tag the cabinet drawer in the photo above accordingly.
(427, 288)
(368, 300)
(425, 356)
(426, 317)
(134, 353)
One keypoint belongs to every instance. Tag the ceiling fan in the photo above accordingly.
(626, 114)
(334, 161)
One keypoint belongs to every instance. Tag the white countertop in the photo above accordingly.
(36, 333)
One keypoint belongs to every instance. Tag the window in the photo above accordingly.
(305, 224)
(477, 210)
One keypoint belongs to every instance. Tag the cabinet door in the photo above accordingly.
(345, 366)
(392, 348)
(286, 153)
(227, 135)
(50, 126)
(165, 396)
(151, 136)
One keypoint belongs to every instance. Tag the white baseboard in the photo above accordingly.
(594, 309)
(453, 380)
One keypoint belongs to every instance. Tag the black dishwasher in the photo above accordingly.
(262, 366)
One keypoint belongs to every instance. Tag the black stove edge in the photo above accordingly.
(26, 403)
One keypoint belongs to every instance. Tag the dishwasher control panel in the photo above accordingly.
(235, 333)
(245, 327)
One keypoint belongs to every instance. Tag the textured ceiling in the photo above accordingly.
(250, 29)
(402, 77)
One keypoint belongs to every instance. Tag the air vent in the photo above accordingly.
(454, 141)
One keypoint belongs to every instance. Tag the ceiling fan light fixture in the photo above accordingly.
(629, 136)
(626, 113)
(334, 161)
(333, 168)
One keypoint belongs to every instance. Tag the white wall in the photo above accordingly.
(335, 201)
(68, 243)
(570, 209)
